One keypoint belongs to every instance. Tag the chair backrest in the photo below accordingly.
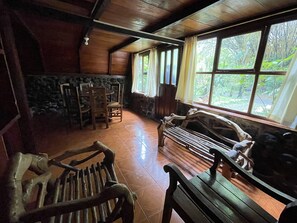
(84, 88)
(98, 100)
(72, 100)
(118, 94)
(62, 92)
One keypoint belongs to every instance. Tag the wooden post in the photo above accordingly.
(25, 122)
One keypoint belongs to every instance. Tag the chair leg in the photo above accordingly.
(106, 119)
(167, 210)
(94, 121)
(81, 120)
(121, 112)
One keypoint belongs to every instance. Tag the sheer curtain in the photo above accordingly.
(152, 73)
(135, 72)
(185, 88)
(285, 109)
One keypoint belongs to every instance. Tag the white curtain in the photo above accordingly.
(185, 88)
(152, 73)
(135, 72)
(284, 110)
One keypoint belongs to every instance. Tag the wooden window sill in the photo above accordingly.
(246, 117)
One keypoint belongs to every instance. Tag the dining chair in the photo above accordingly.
(84, 88)
(63, 98)
(115, 106)
(75, 109)
(98, 104)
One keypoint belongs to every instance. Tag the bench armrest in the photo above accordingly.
(176, 176)
(220, 155)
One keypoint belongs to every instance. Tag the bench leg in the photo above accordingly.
(161, 135)
(167, 210)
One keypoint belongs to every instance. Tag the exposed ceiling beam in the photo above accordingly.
(97, 11)
(80, 3)
(86, 21)
(178, 15)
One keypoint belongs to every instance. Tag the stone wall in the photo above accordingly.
(44, 94)
(143, 105)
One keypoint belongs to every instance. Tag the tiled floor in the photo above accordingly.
(138, 163)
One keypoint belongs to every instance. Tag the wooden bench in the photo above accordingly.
(200, 143)
(210, 197)
(82, 193)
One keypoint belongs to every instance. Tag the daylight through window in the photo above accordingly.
(233, 74)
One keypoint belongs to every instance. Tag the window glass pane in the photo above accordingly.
(139, 84)
(145, 64)
(145, 71)
(202, 88)
(168, 64)
(162, 67)
(232, 91)
(239, 52)
(281, 46)
(174, 66)
(205, 54)
(267, 91)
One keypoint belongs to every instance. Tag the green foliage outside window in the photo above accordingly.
(233, 91)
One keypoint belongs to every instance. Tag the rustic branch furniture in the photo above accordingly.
(200, 143)
(210, 197)
(80, 194)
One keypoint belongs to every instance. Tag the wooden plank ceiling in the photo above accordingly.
(160, 17)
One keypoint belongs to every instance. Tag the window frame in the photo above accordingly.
(142, 73)
(263, 26)
(165, 49)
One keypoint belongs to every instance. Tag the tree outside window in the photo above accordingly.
(143, 72)
(236, 82)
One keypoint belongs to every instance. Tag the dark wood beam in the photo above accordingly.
(178, 15)
(96, 12)
(86, 21)
(80, 3)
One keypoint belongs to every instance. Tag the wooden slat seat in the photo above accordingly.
(82, 193)
(210, 197)
(196, 142)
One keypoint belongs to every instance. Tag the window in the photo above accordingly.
(143, 73)
(169, 66)
(240, 74)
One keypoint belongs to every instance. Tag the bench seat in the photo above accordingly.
(210, 197)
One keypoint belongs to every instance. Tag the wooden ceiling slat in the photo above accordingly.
(182, 13)
(64, 16)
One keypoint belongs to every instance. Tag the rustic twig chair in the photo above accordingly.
(80, 194)
(98, 104)
(115, 107)
(75, 109)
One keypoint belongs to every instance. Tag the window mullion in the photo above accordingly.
(262, 47)
(251, 102)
